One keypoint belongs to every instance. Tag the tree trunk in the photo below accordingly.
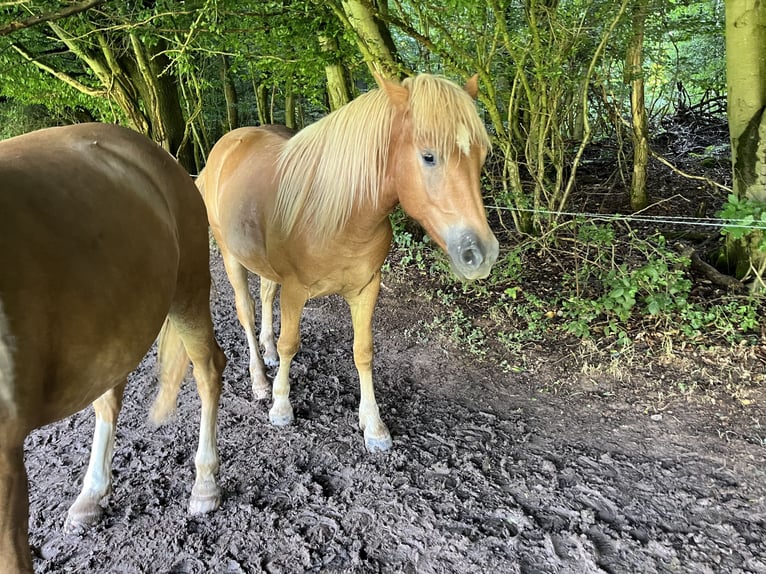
(158, 90)
(105, 67)
(746, 80)
(261, 103)
(230, 95)
(138, 81)
(635, 75)
(372, 36)
(337, 78)
(289, 105)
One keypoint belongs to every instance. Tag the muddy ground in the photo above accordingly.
(574, 464)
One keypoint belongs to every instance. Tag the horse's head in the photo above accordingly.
(438, 147)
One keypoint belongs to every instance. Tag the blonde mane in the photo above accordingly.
(340, 161)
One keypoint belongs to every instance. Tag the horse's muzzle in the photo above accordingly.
(471, 257)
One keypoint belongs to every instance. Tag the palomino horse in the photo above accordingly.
(310, 213)
(103, 237)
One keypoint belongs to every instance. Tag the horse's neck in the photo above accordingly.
(371, 221)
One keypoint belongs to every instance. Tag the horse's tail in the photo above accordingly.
(7, 403)
(173, 363)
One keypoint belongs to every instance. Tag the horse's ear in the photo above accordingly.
(397, 94)
(472, 86)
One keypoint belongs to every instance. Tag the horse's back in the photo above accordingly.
(244, 157)
(95, 220)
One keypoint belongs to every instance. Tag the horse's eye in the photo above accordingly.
(428, 158)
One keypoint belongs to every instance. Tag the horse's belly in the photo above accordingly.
(83, 309)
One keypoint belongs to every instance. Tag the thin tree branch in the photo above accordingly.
(687, 175)
(50, 16)
(586, 128)
(79, 86)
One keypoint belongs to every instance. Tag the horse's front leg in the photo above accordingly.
(97, 483)
(15, 557)
(291, 302)
(362, 304)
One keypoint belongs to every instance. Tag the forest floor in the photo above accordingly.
(567, 458)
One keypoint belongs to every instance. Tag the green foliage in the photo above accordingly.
(602, 296)
(653, 283)
(409, 250)
(745, 218)
(533, 60)
(731, 318)
(690, 47)
(17, 118)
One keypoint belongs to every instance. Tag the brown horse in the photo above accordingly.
(103, 244)
(310, 213)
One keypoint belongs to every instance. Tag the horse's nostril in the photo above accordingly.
(471, 257)
(470, 253)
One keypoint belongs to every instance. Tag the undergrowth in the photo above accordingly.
(601, 282)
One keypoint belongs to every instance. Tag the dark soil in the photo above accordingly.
(580, 462)
(551, 470)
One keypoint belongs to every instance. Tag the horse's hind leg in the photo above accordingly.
(291, 307)
(15, 557)
(97, 483)
(362, 304)
(266, 337)
(195, 328)
(246, 314)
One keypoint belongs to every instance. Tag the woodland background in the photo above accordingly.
(610, 183)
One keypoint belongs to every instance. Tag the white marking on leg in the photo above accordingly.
(281, 412)
(7, 404)
(376, 434)
(258, 375)
(98, 478)
(206, 495)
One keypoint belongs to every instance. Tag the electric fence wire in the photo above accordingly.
(667, 219)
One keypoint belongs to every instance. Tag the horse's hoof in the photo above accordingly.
(72, 526)
(203, 505)
(282, 416)
(378, 444)
(82, 516)
(204, 499)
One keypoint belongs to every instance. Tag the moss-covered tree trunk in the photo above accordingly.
(635, 76)
(136, 78)
(261, 102)
(372, 35)
(289, 105)
(337, 78)
(148, 70)
(746, 82)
